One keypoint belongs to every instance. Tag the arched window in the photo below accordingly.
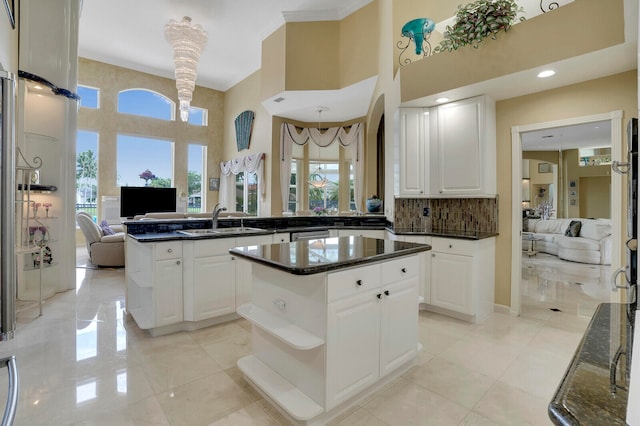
(146, 103)
(89, 97)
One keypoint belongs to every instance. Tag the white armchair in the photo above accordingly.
(104, 250)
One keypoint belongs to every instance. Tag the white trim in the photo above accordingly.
(516, 193)
(502, 309)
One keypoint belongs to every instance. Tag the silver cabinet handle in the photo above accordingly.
(14, 389)
(615, 166)
(169, 250)
(614, 279)
(433, 255)
(403, 270)
(178, 262)
(450, 246)
(359, 282)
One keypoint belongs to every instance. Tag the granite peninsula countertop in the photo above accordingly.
(154, 230)
(587, 393)
(306, 257)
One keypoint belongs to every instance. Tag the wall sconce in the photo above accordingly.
(419, 31)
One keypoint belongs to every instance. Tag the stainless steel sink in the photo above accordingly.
(218, 231)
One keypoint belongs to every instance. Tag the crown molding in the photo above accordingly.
(324, 15)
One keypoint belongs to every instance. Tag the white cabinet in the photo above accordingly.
(463, 146)
(414, 152)
(448, 150)
(243, 267)
(154, 283)
(424, 275)
(281, 237)
(167, 292)
(214, 289)
(372, 329)
(463, 276)
(370, 233)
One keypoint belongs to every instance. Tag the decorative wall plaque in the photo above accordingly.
(244, 124)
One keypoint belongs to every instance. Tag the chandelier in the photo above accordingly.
(187, 41)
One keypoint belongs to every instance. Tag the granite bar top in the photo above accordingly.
(306, 257)
(152, 230)
(587, 395)
(448, 233)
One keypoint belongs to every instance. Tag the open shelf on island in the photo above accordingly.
(291, 399)
(281, 329)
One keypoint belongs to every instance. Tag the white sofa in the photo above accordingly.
(592, 245)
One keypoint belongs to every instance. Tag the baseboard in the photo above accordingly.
(502, 309)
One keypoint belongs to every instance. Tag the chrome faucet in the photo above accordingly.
(216, 211)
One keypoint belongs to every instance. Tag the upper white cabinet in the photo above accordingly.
(448, 150)
(414, 141)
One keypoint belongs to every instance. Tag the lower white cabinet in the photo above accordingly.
(463, 276)
(167, 292)
(214, 289)
(370, 233)
(154, 283)
(424, 277)
(372, 333)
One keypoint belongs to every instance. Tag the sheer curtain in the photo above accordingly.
(351, 137)
(252, 163)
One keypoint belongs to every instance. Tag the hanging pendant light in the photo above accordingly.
(187, 42)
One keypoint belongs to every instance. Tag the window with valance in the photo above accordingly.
(318, 170)
(241, 183)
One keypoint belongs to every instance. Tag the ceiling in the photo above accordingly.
(588, 135)
(131, 34)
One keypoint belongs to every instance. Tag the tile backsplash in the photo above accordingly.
(459, 214)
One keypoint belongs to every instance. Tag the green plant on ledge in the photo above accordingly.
(477, 20)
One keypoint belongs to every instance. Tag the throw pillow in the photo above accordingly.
(573, 230)
(106, 229)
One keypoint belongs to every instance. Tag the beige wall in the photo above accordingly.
(595, 196)
(603, 95)
(246, 96)
(109, 123)
(9, 42)
(567, 32)
(273, 70)
(358, 48)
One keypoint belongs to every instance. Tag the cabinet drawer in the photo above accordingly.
(169, 250)
(352, 281)
(453, 246)
(213, 247)
(400, 269)
(254, 240)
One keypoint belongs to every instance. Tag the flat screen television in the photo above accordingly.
(135, 200)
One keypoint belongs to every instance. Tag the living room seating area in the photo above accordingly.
(577, 239)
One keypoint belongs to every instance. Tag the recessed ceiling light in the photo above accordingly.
(442, 100)
(546, 73)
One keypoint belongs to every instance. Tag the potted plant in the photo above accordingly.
(477, 20)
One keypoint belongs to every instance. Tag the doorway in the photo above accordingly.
(517, 132)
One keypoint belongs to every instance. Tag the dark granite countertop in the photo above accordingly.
(306, 257)
(448, 233)
(584, 396)
(153, 230)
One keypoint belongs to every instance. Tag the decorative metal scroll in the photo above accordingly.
(549, 7)
(244, 124)
(419, 31)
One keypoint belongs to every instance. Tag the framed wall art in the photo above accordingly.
(214, 184)
(544, 168)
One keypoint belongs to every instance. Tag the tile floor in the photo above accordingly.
(85, 363)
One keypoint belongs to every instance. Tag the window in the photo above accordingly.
(144, 161)
(324, 178)
(246, 192)
(293, 188)
(89, 97)
(196, 170)
(146, 103)
(87, 172)
(198, 116)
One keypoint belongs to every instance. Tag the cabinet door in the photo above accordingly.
(167, 292)
(398, 325)
(214, 287)
(353, 338)
(414, 138)
(451, 282)
(459, 149)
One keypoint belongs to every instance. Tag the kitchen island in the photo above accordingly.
(333, 320)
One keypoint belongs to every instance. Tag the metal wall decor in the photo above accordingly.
(419, 31)
(549, 7)
(8, 4)
(244, 125)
